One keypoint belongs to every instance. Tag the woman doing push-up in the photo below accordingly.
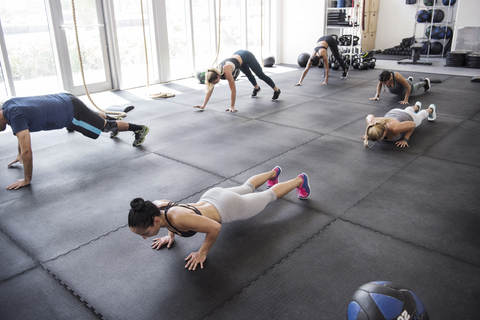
(397, 125)
(217, 206)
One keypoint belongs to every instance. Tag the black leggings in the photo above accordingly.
(249, 62)
(332, 44)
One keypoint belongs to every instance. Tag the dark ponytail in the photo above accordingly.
(142, 213)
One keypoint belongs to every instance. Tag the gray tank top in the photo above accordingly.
(401, 116)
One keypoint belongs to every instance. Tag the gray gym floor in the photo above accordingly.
(410, 216)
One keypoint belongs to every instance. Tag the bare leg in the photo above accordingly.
(122, 125)
(283, 188)
(259, 179)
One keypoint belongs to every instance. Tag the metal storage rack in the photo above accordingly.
(348, 22)
(447, 22)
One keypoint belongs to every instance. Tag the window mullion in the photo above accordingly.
(6, 70)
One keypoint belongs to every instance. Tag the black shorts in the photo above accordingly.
(85, 120)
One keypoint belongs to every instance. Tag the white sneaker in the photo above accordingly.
(432, 116)
(419, 105)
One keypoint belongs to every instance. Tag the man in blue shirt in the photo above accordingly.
(56, 111)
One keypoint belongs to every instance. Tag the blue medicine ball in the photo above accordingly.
(442, 33)
(424, 47)
(449, 2)
(437, 16)
(428, 30)
(429, 2)
(424, 16)
(383, 300)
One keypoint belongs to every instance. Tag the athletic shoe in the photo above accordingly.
(427, 84)
(323, 75)
(276, 94)
(303, 191)
(432, 116)
(410, 79)
(140, 136)
(114, 133)
(419, 105)
(255, 91)
(345, 74)
(274, 181)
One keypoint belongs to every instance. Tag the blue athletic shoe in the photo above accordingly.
(303, 191)
(274, 181)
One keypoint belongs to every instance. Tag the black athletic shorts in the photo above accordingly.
(85, 120)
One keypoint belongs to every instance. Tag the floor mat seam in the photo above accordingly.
(271, 267)
(39, 264)
(409, 242)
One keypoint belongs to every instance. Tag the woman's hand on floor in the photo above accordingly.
(159, 242)
(194, 259)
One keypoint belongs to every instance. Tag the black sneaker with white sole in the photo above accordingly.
(276, 94)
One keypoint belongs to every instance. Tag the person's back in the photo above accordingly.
(48, 112)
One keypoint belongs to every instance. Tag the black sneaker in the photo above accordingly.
(427, 84)
(345, 74)
(276, 94)
(114, 133)
(255, 91)
(140, 136)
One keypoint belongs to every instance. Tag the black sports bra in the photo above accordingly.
(174, 204)
(234, 61)
(318, 48)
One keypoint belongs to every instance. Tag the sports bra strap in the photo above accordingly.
(187, 206)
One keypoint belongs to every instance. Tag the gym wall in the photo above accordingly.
(301, 22)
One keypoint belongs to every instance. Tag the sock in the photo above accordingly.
(134, 127)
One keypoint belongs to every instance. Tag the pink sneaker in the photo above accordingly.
(303, 191)
(274, 181)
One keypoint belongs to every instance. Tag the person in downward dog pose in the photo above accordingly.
(216, 207)
(244, 61)
(320, 52)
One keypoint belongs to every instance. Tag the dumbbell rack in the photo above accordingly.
(351, 25)
(448, 21)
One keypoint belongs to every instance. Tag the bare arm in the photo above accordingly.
(26, 157)
(187, 221)
(304, 73)
(400, 79)
(406, 127)
(326, 65)
(377, 93)
(205, 101)
(233, 89)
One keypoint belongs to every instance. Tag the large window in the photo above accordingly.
(27, 37)
(181, 35)
(89, 35)
(177, 39)
(203, 37)
(131, 44)
(230, 32)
